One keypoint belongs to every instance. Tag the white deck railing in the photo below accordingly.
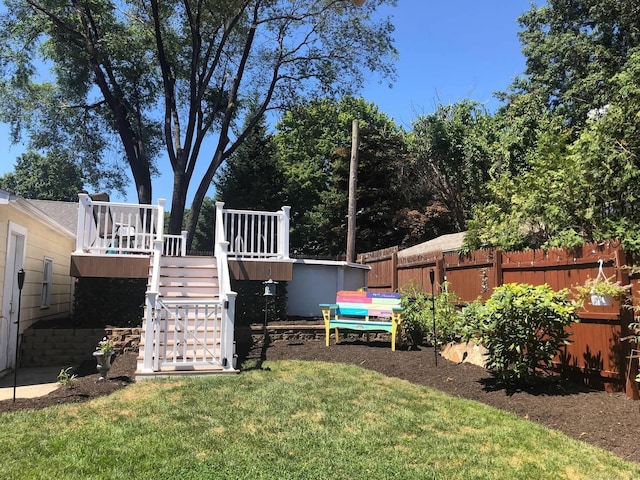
(121, 228)
(254, 234)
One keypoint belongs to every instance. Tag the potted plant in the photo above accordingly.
(601, 291)
(103, 356)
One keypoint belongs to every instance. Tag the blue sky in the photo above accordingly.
(448, 51)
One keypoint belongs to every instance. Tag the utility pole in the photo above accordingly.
(353, 185)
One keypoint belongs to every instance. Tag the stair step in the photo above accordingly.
(187, 282)
(205, 293)
(199, 371)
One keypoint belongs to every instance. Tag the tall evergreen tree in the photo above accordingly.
(251, 179)
(314, 144)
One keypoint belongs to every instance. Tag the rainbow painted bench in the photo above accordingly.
(355, 310)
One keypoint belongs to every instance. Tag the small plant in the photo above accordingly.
(106, 346)
(66, 378)
(415, 314)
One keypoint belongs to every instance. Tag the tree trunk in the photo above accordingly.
(178, 203)
(198, 198)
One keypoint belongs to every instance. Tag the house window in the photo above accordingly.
(47, 276)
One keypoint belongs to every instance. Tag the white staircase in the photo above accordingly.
(187, 319)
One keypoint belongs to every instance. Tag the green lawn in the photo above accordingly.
(290, 420)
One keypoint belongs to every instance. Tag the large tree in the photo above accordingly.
(251, 178)
(177, 73)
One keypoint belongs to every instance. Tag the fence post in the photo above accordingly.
(626, 317)
(394, 271)
(440, 274)
(497, 268)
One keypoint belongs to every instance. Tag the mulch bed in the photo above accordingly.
(607, 420)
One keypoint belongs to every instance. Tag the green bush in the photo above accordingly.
(417, 316)
(522, 326)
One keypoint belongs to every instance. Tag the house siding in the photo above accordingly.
(42, 240)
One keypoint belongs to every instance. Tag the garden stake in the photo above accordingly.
(433, 313)
(15, 367)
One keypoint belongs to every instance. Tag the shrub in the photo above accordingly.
(523, 327)
(417, 308)
(417, 316)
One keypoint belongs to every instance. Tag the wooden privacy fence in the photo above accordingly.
(596, 352)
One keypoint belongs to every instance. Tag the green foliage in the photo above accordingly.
(418, 316)
(565, 161)
(204, 235)
(602, 287)
(51, 177)
(416, 313)
(314, 145)
(66, 378)
(574, 48)
(251, 177)
(523, 327)
(449, 165)
(117, 302)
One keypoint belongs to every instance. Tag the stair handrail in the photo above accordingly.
(227, 296)
(152, 294)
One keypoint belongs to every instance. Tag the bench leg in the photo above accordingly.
(393, 339)
(337, 336)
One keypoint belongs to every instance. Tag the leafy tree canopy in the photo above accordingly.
(450, 163)
(37, 177)
(574, 48)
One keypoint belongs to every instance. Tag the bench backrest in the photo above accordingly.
(367, 304)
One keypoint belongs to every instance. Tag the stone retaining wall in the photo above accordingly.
(71, 346)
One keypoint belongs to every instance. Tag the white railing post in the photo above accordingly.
(183, 243)
(219, 233)
(84, 212)
(160, 222)
(284, 233)
(228, 328)
(150, 345)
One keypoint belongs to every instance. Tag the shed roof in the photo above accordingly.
(444, 243)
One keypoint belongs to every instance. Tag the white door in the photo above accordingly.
(8, 327)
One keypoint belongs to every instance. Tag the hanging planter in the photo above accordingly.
(601, 291)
